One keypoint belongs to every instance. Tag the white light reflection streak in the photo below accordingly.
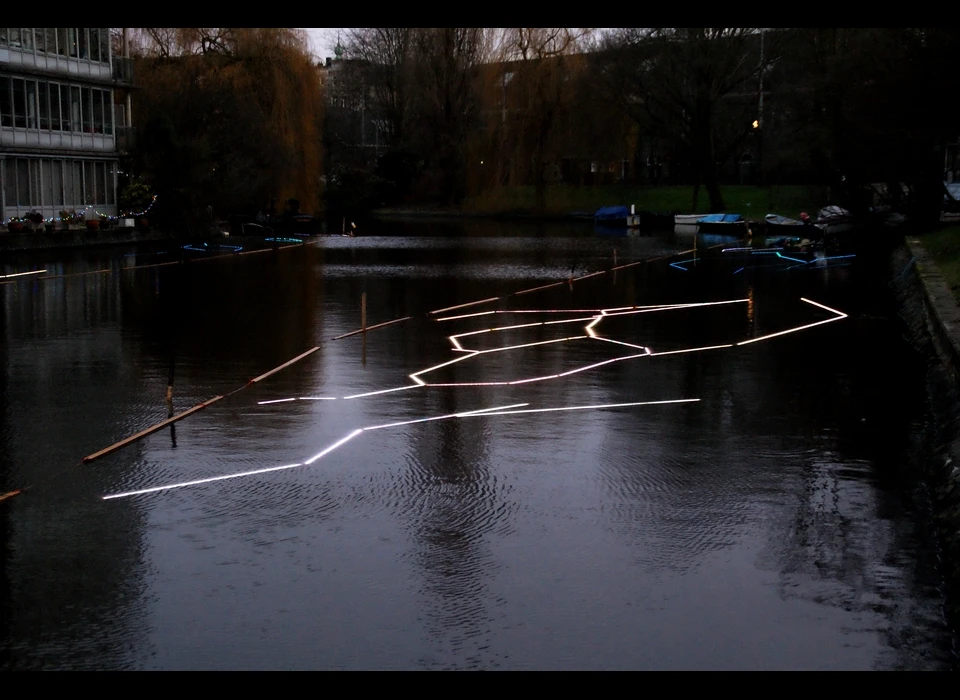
(21, 274)
(261, 403)
(826, 308)
(334, 446)
(677, 352)
(582, 408)
(791, 330)
(620, 342)
(385, 391)
(201, 481)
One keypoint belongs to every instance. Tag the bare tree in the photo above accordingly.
(447, 98)
(674, 81)
(387, 53)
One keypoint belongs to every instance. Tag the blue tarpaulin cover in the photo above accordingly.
(620, 212)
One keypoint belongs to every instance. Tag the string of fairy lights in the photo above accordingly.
(78, 215)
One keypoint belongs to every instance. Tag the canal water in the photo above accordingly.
(702, 461)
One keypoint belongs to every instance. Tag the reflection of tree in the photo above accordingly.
(453, 507)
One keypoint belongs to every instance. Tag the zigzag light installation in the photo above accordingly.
(590, 334)
(594, 320)
(493, 411)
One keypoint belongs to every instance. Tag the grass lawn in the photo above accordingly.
(751, 202)
(944, 245)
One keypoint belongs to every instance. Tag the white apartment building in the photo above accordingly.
(59, 145)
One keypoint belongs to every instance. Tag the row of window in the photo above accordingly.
(40, 104)
(36, 182)
(85, 43)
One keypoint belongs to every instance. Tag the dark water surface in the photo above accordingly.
(772, 524)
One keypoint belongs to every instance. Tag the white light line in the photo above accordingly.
(839, 313)
(261, 403)
(443, 364)
(480, 411)
(384, 391)
(453, 318)
(21, 274)
(677, 352)
(620, 342)
(201, 481)
(317, 398)
(647, 309)
(527, 345)
(462, 414)
(410, 422)
(582, 408)
(521, 325)
(792, 330)
(601, 364)
(334, 446)
(533, 379)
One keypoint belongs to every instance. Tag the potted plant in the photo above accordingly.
(105, 222)
(15, 225)
(35, 218)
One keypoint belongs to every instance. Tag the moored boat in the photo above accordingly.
(728, 224)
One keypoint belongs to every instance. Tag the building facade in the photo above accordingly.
(59, 136)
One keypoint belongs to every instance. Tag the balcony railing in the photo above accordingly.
(126, 138)
(123, 70)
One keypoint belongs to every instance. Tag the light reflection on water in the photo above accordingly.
(761, 527)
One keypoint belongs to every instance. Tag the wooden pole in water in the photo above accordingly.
(363, 326)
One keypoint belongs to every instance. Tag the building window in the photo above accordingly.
(98, 111)
(57, 183)
(63, 41)
(23, 183)
(42, 94)
(9, 181)
(6, 102)
(76, 124)
(55, 107)
(31, 86)
(19, 103)
(105, 45)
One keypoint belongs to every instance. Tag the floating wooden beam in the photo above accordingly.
(285, 364)
(370, 328)
(143, 433)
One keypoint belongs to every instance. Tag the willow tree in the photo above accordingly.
(231, 120)
(543, 66)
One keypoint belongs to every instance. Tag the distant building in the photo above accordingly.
(59, 133)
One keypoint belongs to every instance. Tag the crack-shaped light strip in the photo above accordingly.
(600, 314)
(479, 413)
(21, 274)
(839, 316)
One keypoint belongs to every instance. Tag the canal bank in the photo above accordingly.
(68, 240)
(931, 315)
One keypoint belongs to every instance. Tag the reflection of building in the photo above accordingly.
(59, 138)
